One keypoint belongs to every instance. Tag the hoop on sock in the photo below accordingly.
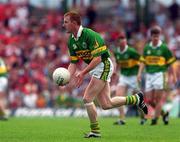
(88, 104)
(137, 99)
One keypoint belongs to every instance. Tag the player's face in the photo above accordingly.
(155, 38)
(122, 42)
(68, 25)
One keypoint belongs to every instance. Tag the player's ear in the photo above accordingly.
(74, 22)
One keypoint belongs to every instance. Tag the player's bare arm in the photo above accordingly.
(72, 69)
(92, 65)
(141, 68)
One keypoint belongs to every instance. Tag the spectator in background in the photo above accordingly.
(91, 15)
(174, 11)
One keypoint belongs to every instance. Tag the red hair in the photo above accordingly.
(74, 16)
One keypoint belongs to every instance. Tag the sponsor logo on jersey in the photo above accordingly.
(84, 54)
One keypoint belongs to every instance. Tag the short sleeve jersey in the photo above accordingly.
(157, 59)
(128, 61)
(88, 45)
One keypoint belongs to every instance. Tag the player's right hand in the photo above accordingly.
(63, 88)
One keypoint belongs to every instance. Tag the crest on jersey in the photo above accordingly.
(117, 57)
(75, 46)
(149, 52)
(126, 56)
(84, 45)
(159, 52)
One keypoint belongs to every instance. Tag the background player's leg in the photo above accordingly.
(121, 91)
(2, 107)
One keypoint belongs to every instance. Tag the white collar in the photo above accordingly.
(78, 33)
(125, 49)
(159, 44)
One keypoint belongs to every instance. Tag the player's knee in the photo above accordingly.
(86, 100)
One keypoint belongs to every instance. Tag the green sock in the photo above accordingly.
(95, 127)
(131, 100)
(1, 113)
(162, 113)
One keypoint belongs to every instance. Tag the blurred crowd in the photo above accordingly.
(33, 44)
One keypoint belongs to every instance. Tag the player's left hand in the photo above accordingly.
(80, 77)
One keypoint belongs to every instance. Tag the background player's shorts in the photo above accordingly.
(103, 70)
(129, 81)
(156, 81)
(3, 84)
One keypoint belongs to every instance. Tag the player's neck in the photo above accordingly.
(75, 32)
(155, 43)
(122, 47)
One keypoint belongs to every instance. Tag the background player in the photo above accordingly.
(3, 89)
(156, 58)
(127, 59)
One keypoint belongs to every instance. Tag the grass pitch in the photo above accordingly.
(72, 129)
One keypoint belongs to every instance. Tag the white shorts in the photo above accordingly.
(3, 84)
(103, 70)
(128, 81)
(155, 81)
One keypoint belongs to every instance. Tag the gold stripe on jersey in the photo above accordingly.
(99, 50)
(142, 59)
(3, 70)
(171, 60)
(155, 60)
(96, 44)
(74, 58)
(128, 63)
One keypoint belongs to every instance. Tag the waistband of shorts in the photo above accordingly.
(106, 59)
(155, 73)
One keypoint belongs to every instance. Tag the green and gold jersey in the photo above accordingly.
(3, 69)
(128, 60)
(157, 59)
(88, 45)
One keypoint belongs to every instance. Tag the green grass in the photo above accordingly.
(72, 129)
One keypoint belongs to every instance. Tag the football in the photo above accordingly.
(61, 76)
